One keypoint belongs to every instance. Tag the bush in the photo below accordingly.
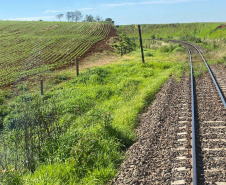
(191, 38)
(11, 178)
(164, 49)
(148, 54)
(121, 42)
(58, 79)
(224, 58)
(179, 49)
(169, 48)
(3, 113)
(2, 97)
(32, 122)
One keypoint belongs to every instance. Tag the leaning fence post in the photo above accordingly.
(42, 91)
(77, 66)
(141, 44)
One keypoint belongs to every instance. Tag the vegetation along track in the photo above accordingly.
(209, 125)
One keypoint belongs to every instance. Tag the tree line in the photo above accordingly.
(77, 16)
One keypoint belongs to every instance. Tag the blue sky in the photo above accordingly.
(121, 11)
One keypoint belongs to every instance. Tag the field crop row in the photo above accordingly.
(28, 48)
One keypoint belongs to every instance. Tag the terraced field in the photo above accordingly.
(28, 48)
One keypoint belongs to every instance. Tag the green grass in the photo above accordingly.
(208, 35)
(96, 115)
(176, 31)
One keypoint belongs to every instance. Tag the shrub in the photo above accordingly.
(164, 49)
(32, 122)
(179, 49)
(2, 97)
(11, 178)
(148, 54)
(191, 38)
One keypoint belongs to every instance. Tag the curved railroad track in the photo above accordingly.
(163, 152)
(208, 126)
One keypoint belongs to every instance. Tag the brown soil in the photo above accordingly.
(101, 45)
(98, 47)
(220, 27)
(51, 27)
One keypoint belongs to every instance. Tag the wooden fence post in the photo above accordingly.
(141, 44)
(77, 66)
(42, 91)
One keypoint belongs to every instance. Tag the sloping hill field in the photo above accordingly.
(28, 48)
(200, 30)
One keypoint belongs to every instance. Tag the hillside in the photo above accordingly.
(177, 31)
(29, 48)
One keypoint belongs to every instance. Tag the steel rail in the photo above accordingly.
(193, 123)
(211, 74)
(193, 103)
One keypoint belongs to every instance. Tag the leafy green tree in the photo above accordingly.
(89, 18)
(59, 16)
(109, 20)
(77, 16)
(98, 18)
(69, 16)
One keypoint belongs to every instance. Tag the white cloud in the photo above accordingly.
(148, 2)
(52, 11)
(85, 9)
(67, 10)
(45, 18)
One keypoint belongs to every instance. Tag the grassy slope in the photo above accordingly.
(99, 111)
(201, 30)
(204, 34)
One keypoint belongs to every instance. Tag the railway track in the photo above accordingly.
(208, 125)
(164, 152)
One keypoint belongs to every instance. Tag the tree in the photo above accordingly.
(59, 16)
(98, 18)
(77, 16)
(109, 20)
(69, 16)
(89, 18)
(72, 16)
